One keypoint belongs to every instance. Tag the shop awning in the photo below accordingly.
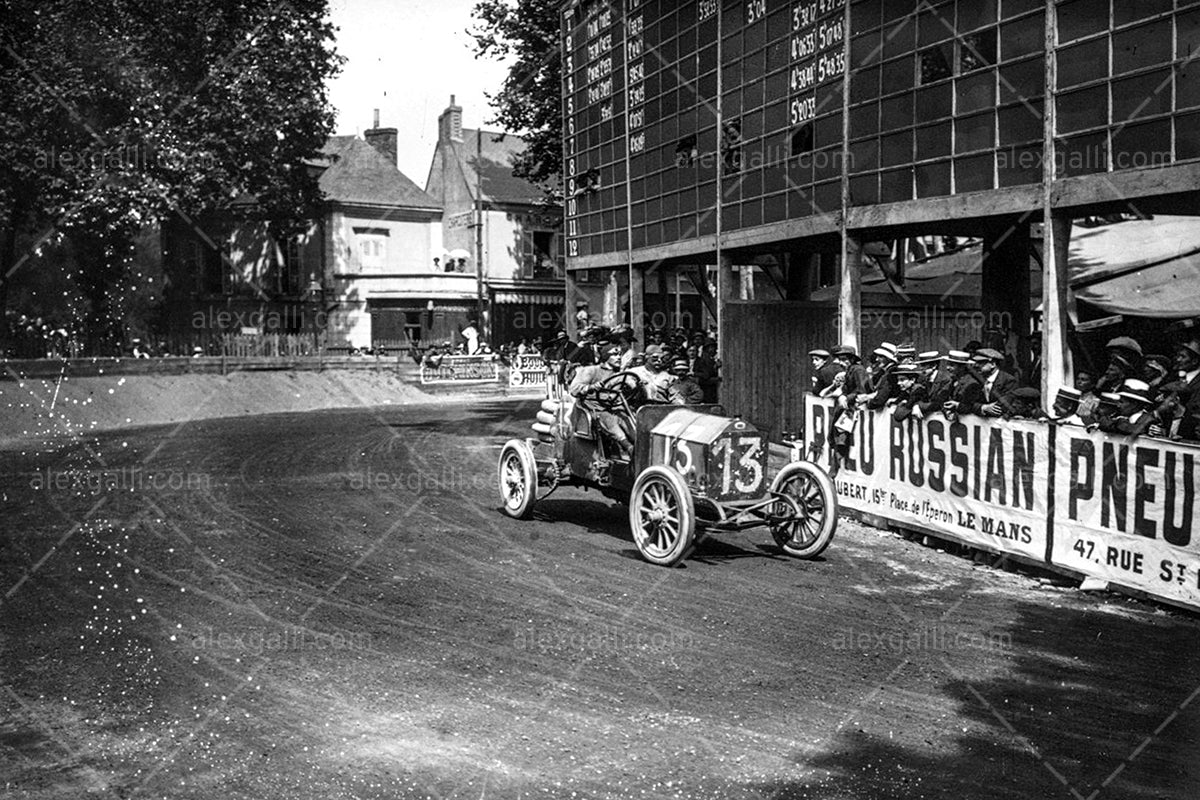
(1144, 268)
(529, 298)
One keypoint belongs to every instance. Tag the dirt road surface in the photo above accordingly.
(329, 605)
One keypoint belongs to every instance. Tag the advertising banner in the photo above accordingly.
(1124, 511)
(527, 370)
(461, 369)
(981, 481)
(1117, 508)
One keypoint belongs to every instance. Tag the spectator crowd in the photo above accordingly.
(676, 365)
(1137, 394)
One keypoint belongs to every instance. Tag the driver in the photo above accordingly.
(584, 386)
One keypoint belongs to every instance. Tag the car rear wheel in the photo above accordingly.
(807, 534)
(517, 475)
(662, 516)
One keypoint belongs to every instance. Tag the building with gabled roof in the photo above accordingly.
(366, 272)
(503, 222)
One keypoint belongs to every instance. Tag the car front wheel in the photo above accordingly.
(806, 534)
(662, 516)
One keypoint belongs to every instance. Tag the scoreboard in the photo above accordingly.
(689, 120)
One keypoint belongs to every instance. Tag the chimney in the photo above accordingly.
(450, 123)
(382, 139)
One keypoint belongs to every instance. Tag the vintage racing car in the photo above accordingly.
(692, 468)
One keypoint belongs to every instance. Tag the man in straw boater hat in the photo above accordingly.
(1133, 417)
(883, 361)
(1066, 407)
(966, 391)
(933, 384)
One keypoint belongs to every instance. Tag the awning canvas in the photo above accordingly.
(1144, 268)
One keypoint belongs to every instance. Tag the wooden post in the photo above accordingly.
(725, 289)
(637, 297)
(570, 324)
(1056, 241)
(850, 290)
(726, 285)
(1056, 355)
(611, 313)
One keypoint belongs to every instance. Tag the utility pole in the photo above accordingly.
(484, 327)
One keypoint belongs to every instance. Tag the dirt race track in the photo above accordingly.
(329, 605)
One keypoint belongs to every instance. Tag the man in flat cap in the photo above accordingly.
(854, 383)
(997, 385)
(684, 391)
(904, 396)
(823, 370)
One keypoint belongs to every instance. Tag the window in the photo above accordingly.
(686, 152)
(731, 146)
(539, 257)
(216, 277)
(291, 267)
(802, 141)
(977, 50)
(372, 247)
(934, 64)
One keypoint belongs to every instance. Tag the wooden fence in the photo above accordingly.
(272, 345)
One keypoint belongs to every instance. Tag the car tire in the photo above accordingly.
(812, 490)
(516, 476)
(662, 516)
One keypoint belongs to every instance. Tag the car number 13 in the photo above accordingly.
(746, 474)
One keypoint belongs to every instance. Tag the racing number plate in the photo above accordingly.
(737, 466)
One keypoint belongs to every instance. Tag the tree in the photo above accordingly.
(118, 113)
(530, 101)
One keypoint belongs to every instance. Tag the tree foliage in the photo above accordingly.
(530, 100)
(118, 113)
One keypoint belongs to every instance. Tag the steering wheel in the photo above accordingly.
(615, 392)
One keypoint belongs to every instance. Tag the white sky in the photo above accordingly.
(406, 57)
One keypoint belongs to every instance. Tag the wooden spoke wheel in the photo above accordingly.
(807, 534)
(662, 516)
(517, 475)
